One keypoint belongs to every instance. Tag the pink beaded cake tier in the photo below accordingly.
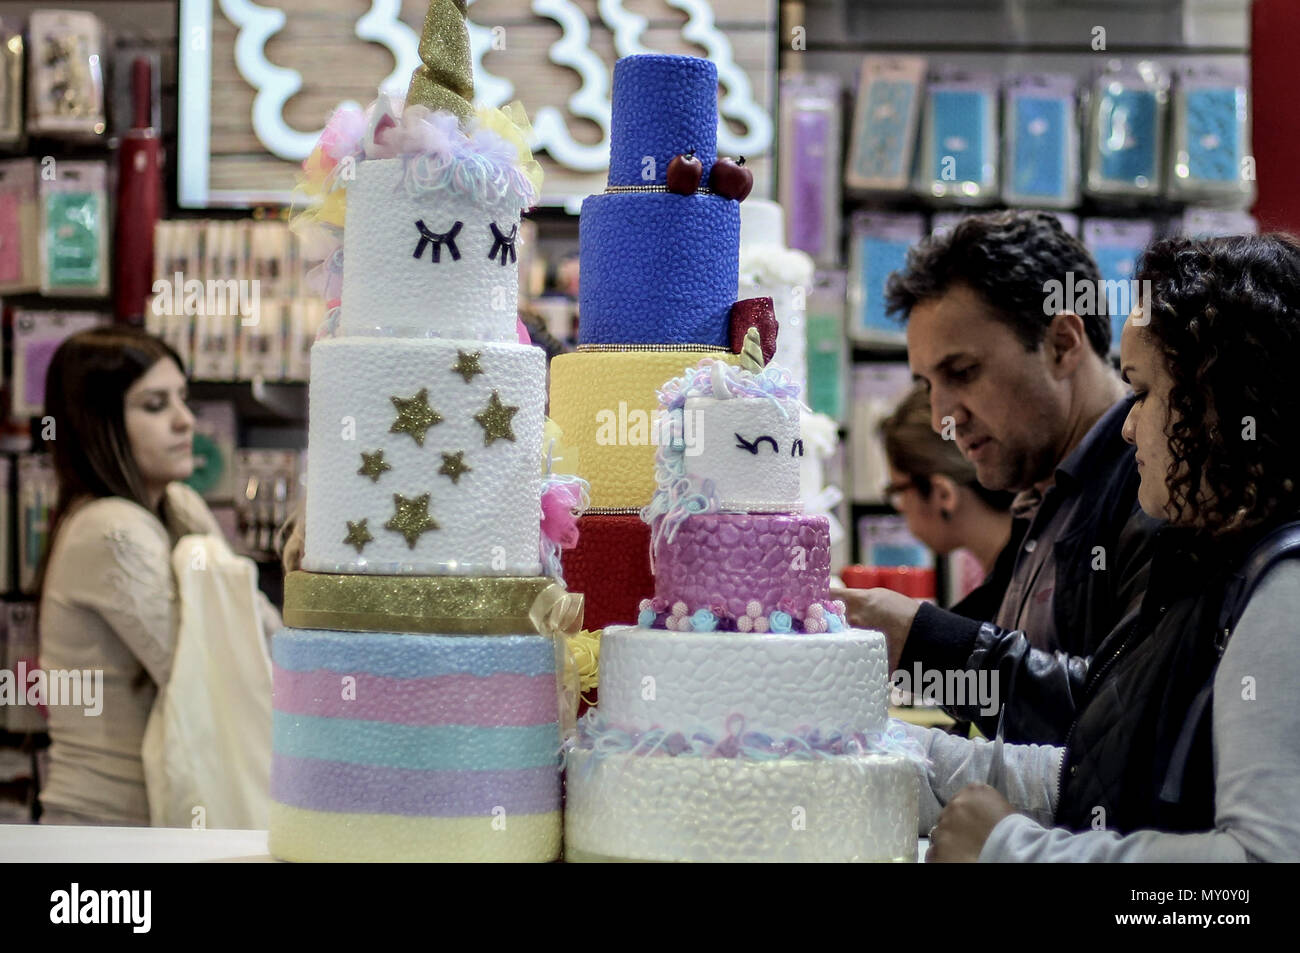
(745, 572)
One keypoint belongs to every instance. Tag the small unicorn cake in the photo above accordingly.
(741, 719)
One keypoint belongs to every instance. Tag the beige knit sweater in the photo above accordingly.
(110, 604)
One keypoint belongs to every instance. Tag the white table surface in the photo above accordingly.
(44, 843)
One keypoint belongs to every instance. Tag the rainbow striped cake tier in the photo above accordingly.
(414, 747)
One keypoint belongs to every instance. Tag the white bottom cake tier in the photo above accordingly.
(658, 808)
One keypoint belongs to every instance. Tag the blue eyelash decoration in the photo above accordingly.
(447, 238)
(797, 449)
(753, 447)
(505, 244)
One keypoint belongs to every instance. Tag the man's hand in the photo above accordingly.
(890, 612)
(966, 824)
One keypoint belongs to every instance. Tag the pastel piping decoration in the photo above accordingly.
(564, 498)
(437, 240)
(597, 735)
(503, 244)
(488, 159)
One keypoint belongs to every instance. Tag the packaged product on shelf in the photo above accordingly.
(1212, 223)
(885, 118)
(268, 258)
(810, 164)
(1041, 141)
(6, 526)
(828, 357)
(37, 335)
(216, 339)
(878, 248)
(305, 317)
(1117, 244)
(21, 656)
(65, 84)
(877, 389)
(1209, 154)
(958, 160)
(11, 84)
(1126, 148)
(20, 263)
(261, 341)
(883, 540)
(74, 228)
(37, 493)
(266, 492)
(215, 436)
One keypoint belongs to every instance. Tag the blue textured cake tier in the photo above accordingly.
(657, 268)
(663, 106)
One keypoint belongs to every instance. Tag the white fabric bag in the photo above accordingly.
(208, 741)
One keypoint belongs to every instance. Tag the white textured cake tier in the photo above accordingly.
(479, 464)
(658, 808)
(749, 447)
(391, 280)
(779, 683)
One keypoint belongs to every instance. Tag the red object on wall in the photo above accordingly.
(1275, 113)
(139, 196)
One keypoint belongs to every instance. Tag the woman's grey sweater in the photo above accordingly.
(1256, 738)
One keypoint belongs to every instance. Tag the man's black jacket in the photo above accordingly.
(1102, 558)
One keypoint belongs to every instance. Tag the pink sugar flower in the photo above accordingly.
(559, 524)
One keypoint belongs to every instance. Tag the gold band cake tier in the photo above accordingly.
(445, 605)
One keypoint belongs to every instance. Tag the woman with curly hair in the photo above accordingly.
(1184, 745)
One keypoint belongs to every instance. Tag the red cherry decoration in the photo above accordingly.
(684, 174)
(730, 179)
(754, 313)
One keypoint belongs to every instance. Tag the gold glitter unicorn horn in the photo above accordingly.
(445, 80)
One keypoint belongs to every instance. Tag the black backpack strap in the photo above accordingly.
(1282, 543)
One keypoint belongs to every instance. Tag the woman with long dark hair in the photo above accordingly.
(1184, 745)
(122, 442)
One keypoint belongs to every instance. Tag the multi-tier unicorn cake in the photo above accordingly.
(740, 719)
(659, 258)
(415, 707)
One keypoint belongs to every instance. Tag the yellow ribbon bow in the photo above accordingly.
(558, 613)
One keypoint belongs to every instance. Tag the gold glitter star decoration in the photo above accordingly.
(358, 535)
(414, 415)
(467, 365)
(453, 465)
(412, 517)
(495, 420)
(372, 464)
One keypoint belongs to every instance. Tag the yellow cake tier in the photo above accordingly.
(606, 403)
(299, 834)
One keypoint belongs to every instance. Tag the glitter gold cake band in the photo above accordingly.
(603, 348)
(441, 605)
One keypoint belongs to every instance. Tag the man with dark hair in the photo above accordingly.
(1024, 386)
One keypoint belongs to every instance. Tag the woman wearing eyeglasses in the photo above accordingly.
(935, 488)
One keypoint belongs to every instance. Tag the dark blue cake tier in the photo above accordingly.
(663, 106)
(657, 268)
